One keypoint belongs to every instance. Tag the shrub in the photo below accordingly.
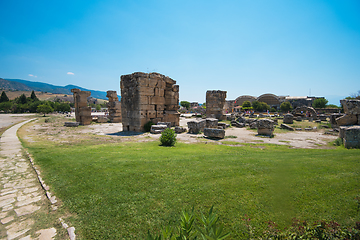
(168, 137)
(338, 142)
(148, 125)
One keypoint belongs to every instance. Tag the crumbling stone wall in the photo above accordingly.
(114, 107)
(215, 101)
(82, 111)
(148, 97)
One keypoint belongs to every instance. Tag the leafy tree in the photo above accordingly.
(4, 97)
(285, 106)
(185, 104)
(22, 99)
(5, 106)
(320, 103)
(98, 107)
(246, 104)
(260, 106)
(45, 108)
(332, 106)
(33, 96)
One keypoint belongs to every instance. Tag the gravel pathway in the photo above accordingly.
(21, 195)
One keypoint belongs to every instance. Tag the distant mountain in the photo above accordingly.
(24, 85)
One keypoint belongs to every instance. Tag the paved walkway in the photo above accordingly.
(21, 195)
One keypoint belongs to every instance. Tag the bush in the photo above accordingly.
(338, 142)
(148, 125)
(168, 137)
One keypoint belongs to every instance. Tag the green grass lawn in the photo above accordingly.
(120, 191)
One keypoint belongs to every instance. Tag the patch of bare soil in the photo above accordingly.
(112, 132)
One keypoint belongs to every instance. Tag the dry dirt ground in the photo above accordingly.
(112, 132)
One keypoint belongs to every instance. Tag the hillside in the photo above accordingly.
(24, 85)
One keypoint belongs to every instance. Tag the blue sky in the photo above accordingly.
(245, 47)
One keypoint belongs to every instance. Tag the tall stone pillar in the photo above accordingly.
(114, 107)
(215, 101)
(82, 111)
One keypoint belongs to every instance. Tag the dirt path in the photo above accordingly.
(21, 195)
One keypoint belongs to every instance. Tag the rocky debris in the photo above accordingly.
(298, 129)
(156, 129)
(114, 107)
(318, 121)
(82, 111)
(168, 124)
(253, 125)
(214, 133)
(308, 129)
(223, 125)
(196, 126)
(180, 129)
(237, 124)
(215, 101)
(299, 118)
(71, 124)
(265, 127)
(322, 117)
(288, 118)
(148, 97)
(102, 119)
(287, 127)
(352, 137)
(211, 122)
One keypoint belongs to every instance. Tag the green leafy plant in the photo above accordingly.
(148, 125)
(168, 137)
(338, 142)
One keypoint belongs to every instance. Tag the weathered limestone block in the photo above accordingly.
(346, 120)
(299, 118)
(352, 137)
(265, 127)
(214, 133)
(158, 128)
(215, 101)
(333, 118)
(253, 125)
(287, 127)
(342, 131)
(180, 129)
(82, 111)
(148, 97)
(351, 106)
(168, 124)
(196, 126)
(322, 117)
(71, 124)
(211, 122)
(288, 118)
(102, 119)
(222, 125)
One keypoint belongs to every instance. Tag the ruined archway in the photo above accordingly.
(271, 99)
(241, 99)
(305, 109)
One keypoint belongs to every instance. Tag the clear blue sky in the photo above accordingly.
(243, 46)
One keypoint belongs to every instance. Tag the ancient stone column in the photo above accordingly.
(82, 111)
(114, 107)
(215, 101)
(148, 97)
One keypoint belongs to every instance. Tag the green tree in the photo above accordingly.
(33, 96)
(246, 104)
(98, 107)
(260, 106)
(285, 106)
(22, 99)
(5, 106)
(4, 97)
(45, 109)
(320, 103)
(185, 104)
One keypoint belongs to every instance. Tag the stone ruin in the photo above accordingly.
(82, 111)
(114, 107)
(210, 126)
(288, 118)
(349, 123)
(215, 101)
(148, 97)
(265, 127)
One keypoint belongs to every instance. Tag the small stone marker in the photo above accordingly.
(214, 133)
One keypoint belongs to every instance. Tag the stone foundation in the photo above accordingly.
(114, 107)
